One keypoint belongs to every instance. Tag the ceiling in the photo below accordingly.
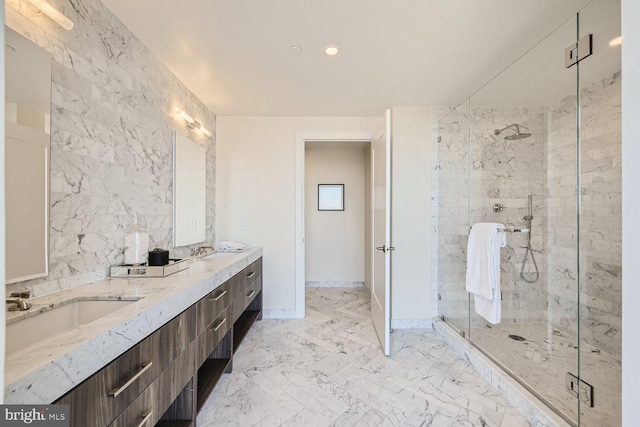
(234, 55)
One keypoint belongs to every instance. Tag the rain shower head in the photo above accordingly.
(515, 136)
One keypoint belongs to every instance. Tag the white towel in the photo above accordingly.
(231, 246)
(483, 268)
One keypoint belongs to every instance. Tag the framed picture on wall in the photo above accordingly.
(330, 197)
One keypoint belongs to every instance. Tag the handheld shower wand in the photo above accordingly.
(528, 218)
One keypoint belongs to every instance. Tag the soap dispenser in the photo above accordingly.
(136, 244)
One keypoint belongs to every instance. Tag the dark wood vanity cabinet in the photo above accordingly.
(98, 400)
(247, 300)
(165, 379)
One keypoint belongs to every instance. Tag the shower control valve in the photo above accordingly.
(497, 207)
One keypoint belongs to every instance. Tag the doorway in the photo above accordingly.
(302, 139)
(338, 214)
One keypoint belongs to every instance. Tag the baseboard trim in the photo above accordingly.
(411, 324)
(329, 284)
(279, 314)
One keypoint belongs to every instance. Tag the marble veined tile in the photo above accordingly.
(328, 370)
(542, 361)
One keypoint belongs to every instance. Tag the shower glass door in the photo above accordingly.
(451, 207)
(538, 149)
(525, 178)
(600, 233)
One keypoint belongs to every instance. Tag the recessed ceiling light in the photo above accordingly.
(616, 42)
(295, 50)
(331, 50)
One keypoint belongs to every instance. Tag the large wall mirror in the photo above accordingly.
(27, 164)
(189, 191)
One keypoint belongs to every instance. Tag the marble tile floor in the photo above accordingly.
(543, 360)
(328, 370)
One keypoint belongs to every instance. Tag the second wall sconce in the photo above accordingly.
(50, 10)
(191, 123)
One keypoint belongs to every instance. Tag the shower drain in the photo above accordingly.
(517, 338)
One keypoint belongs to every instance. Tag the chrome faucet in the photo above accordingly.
(202, 250)
(20, 300)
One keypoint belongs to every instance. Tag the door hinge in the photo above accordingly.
(579, 389)
(576, 52)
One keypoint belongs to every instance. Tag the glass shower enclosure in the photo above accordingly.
(552, 177)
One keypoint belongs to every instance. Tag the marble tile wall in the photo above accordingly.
(600, 218)
(501, 171)
(111, 140)
(543, 165)
(507, 172)
(450, 218)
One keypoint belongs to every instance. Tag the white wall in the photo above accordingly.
(411, 216)
(256, 182)
(255, 173)
(630, 209)
(335, 239)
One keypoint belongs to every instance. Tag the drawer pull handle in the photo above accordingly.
(250, 294)
(219, 325)
(116, 391)
(217, 298)
(250, 275)
(145, 417)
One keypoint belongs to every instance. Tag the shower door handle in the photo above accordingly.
(382, 248)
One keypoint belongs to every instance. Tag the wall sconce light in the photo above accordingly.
(50, 10)
(203, 129)
(191, 123)
(187, 118)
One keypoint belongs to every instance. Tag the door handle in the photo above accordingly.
(382, 248)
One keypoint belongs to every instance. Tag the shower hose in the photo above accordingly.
(529, 251)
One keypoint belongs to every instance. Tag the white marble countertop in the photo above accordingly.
(42, 373)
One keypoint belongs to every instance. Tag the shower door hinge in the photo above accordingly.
(579, 389)
(439, 297)
(576, 52)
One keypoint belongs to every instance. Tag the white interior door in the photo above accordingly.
(380, 294)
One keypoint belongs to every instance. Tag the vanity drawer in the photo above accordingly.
(147, 409)
(210, 307)
(253, 272)
(212, 336)
(98, 400)
(253, 288)
(248, 285)
(245, 277)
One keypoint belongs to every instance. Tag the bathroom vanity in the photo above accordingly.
(182, 334)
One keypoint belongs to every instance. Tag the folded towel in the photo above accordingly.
(230, 245)
(483, 268)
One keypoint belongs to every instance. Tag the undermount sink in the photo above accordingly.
(220, 255)
(34, 329)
